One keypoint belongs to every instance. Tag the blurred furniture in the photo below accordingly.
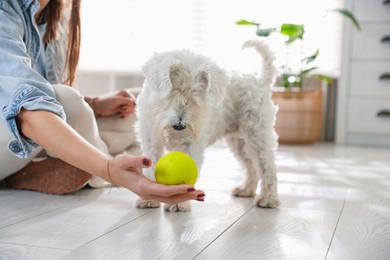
(363, 116)
(299, 117)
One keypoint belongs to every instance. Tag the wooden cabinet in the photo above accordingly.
(363, 107)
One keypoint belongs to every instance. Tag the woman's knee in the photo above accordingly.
(72, 101)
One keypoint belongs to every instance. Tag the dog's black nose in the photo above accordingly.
(179, 126)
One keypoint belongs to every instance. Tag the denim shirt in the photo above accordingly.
(21, 84)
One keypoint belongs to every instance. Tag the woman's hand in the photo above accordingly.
(125, 170)
(121, 103)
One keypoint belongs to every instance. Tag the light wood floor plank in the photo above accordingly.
(13, 252)
(77, 222)
(364, 228)
(275, 234)
(165, 235)
(17, 206)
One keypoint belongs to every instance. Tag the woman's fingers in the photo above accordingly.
(169, 190)
(199, 196)
(173, 193)
(128, 161)
(127, 94)
(125, 110)
(125, 99)
(123, 93)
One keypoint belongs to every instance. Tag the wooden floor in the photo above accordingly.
(335, 205)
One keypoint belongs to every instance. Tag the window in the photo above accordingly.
(122, 34)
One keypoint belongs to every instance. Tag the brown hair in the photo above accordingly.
(52, 15)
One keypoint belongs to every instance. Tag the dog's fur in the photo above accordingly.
(188, 102)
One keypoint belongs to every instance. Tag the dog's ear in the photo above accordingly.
(157, 72)
(217, 80)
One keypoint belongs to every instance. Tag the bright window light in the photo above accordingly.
(122, 34)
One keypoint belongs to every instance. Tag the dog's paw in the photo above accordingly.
(244, 191)
(180, 207)
(143, 204)
(271, 201)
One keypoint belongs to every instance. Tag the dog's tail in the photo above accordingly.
(269, 70)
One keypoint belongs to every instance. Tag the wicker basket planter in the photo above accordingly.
(299, 118)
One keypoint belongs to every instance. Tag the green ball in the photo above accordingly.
(176, 168)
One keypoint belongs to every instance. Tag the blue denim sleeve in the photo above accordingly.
(29, 98)
(20, 85)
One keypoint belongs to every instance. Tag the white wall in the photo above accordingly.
(118, 36)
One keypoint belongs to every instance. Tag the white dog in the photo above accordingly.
(188, 102)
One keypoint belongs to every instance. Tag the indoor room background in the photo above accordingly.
(117, 38)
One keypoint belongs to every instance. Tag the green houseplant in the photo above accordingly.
(300, 112)
(295, 33)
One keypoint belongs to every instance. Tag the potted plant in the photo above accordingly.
(298, 91)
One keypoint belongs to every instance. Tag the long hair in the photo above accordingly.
(53, 15)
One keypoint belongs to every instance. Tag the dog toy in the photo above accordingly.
(176, 168)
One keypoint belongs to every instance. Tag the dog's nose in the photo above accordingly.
(179, 126)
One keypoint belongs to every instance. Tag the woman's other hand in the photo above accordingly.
(121, 103)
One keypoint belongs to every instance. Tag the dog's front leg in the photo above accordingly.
(196, 151)
(154, 150)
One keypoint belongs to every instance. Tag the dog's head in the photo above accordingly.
(182, 87)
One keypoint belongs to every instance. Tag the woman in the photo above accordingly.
(33, 59)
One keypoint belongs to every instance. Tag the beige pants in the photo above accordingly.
(111, 135)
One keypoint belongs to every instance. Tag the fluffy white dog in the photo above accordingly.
(188, 102)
